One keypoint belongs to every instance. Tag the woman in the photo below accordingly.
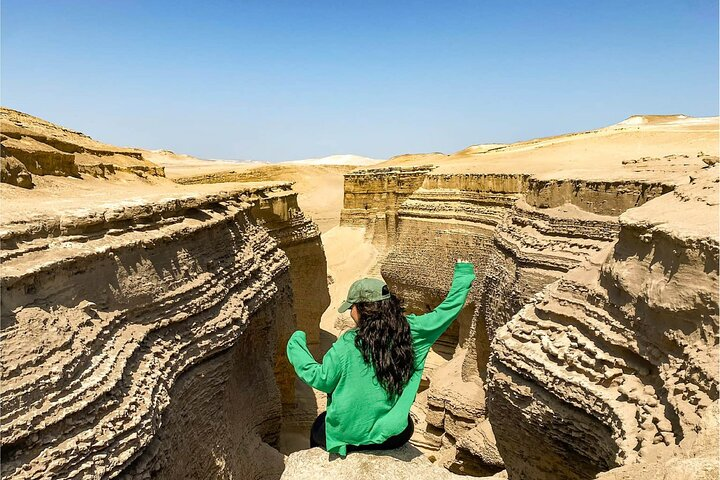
(372, 372)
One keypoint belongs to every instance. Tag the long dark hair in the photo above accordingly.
(384, 339)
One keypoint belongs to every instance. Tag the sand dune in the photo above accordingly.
(337, 160)
(602, 154)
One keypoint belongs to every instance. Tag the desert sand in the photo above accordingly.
(179, 165)
(318, 181)
(319, 187)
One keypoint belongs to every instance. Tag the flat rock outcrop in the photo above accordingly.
(33, 146)
(405, 463)
(145, 338)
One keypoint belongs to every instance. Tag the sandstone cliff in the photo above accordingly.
(32, 146)
(529, 215)
(618, 358)
(145, 337)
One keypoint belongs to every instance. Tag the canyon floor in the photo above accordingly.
(147, 297)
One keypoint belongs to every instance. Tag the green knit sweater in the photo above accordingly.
(360, 412)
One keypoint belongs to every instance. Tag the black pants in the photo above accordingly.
(317, 437)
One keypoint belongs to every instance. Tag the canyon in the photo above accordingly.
(145, 313)
(144, 324)
(590, 338)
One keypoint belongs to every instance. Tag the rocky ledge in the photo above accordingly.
(33, 146)
(146, 337)
(405, 463)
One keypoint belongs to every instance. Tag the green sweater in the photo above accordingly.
(360, 412)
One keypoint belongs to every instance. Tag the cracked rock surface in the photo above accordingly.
(405, 463)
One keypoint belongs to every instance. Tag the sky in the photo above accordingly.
(285, 80)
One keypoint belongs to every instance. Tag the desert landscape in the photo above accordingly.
(147, 297)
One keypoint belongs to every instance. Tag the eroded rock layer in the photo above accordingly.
(373, 196)
(527, 221)
(619, 358)
(146, 338)
(517, 247)
(32, 146)
(299, 238)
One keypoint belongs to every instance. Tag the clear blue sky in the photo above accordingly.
(280, 80)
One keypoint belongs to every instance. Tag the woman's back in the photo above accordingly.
(360, 409)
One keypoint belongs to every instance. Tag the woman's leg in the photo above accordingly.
(317, 432)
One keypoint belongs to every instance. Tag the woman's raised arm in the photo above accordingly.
(431, 325)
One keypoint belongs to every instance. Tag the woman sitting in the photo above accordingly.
(372, 372)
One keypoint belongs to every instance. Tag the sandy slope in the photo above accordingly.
(633, 149)
(181, 165)
(319, 187)
(350, 257)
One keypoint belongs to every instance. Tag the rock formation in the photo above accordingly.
(144, 322)
(618, 358)
(299, 238)
(530, 215)
(405, 463)
(146, 337)
(373, 196)
(32, 146)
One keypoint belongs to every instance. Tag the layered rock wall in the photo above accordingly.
(523, 233)
(146, 338)
(299, 238)
(373, 196)
(618, 360)
(32, 146)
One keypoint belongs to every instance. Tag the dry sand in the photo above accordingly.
(179, 165)
(636, 148)
(350, 257)
(319, 187)
(318, 181)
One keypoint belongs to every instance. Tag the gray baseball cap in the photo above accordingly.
(365, 290)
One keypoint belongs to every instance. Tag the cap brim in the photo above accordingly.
(345, 307)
